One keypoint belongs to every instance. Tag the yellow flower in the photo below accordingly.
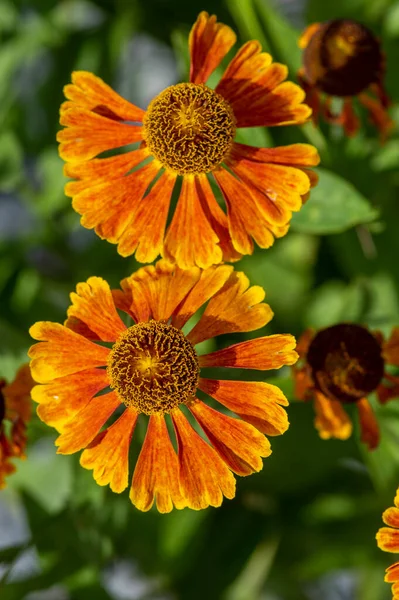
(153, 369)
(388, 540)
(188, 132)
(343, 364)
(343, 58)
(15, 412)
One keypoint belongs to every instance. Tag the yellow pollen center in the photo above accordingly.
(189, 128)
(153, 368)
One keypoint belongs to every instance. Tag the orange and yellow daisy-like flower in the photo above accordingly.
(343, 58)
(388, 540)
(152, 368)
(343, 364)
(188, 132)
(15, 412)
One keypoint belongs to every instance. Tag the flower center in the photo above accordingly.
(343, 58)
(189, 128)
(346, 362)
(153, 368)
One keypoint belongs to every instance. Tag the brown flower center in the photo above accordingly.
(343, 58)
(346, 362)
(153, 367)
(189, 128)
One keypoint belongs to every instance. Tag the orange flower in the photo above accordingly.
(343, 58)
(388, 540)
(188, 131)
(15, 412)
(153, 369)
(343, 364)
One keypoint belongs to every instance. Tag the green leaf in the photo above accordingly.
(334, 206)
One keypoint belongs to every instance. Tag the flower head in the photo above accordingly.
(188, 132)
(343, 364)
(15, 412)
(343, 58)
(95, 368)
(388, 540)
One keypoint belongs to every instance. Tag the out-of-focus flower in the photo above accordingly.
(388, 540)
(343, 58)
(15, 412)
(187, 133)
(343, 364)
(153, 369)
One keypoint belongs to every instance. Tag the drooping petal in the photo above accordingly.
(190, 239)
(236, 307)
(157, 290)
(18, 395)
(210, 282)
(62, 352)
(388, 539)
(331, 419)
(108, 453)
(94, 305)
(307, 34)
(269, 352)
(256, 402)
(209, 42)
(370, 431)
(204, 477)
(156, 476)
(238, 444)
(93, 93)
(88, 134)
(378, 115)
(79, 432)
(391, 348)
(145, 233)
(304, 342)
(64, 397)
(303, 382)
(108, 206)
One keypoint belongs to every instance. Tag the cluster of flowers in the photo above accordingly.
(131, 352)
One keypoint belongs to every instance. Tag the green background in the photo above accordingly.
(304, 527)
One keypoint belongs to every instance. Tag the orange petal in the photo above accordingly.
(204, 477)
(331, 419)
(303, 382)
(62, 353)
(392, 572)
(210, 282)
(157, 290)
(145, 233)
(81, 328)
(94, 171)
(209, 42)
(238, 444)
(217, 218)
(190, 239)
(378, 115)
(109, 206)
(370, 432)
(269, 352)
(248, 213)
(388, 539)
(301, 155)
(391, 516)
(88, 134)
(304, 342)
(108, 453)
(94, 305)
(93, 93)
(17, 395)
(256, 402)
(236, 307)
(391, 348)
(156, 476)
(79, 432)
(349, 119)
(307, 34)
(62, 399)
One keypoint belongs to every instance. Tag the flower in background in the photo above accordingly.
(187, 133)
(343, 58)
(388, 540)
(154, 371)
(15, 412)
(343, 364)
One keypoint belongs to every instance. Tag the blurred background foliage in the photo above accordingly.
(304, 527)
